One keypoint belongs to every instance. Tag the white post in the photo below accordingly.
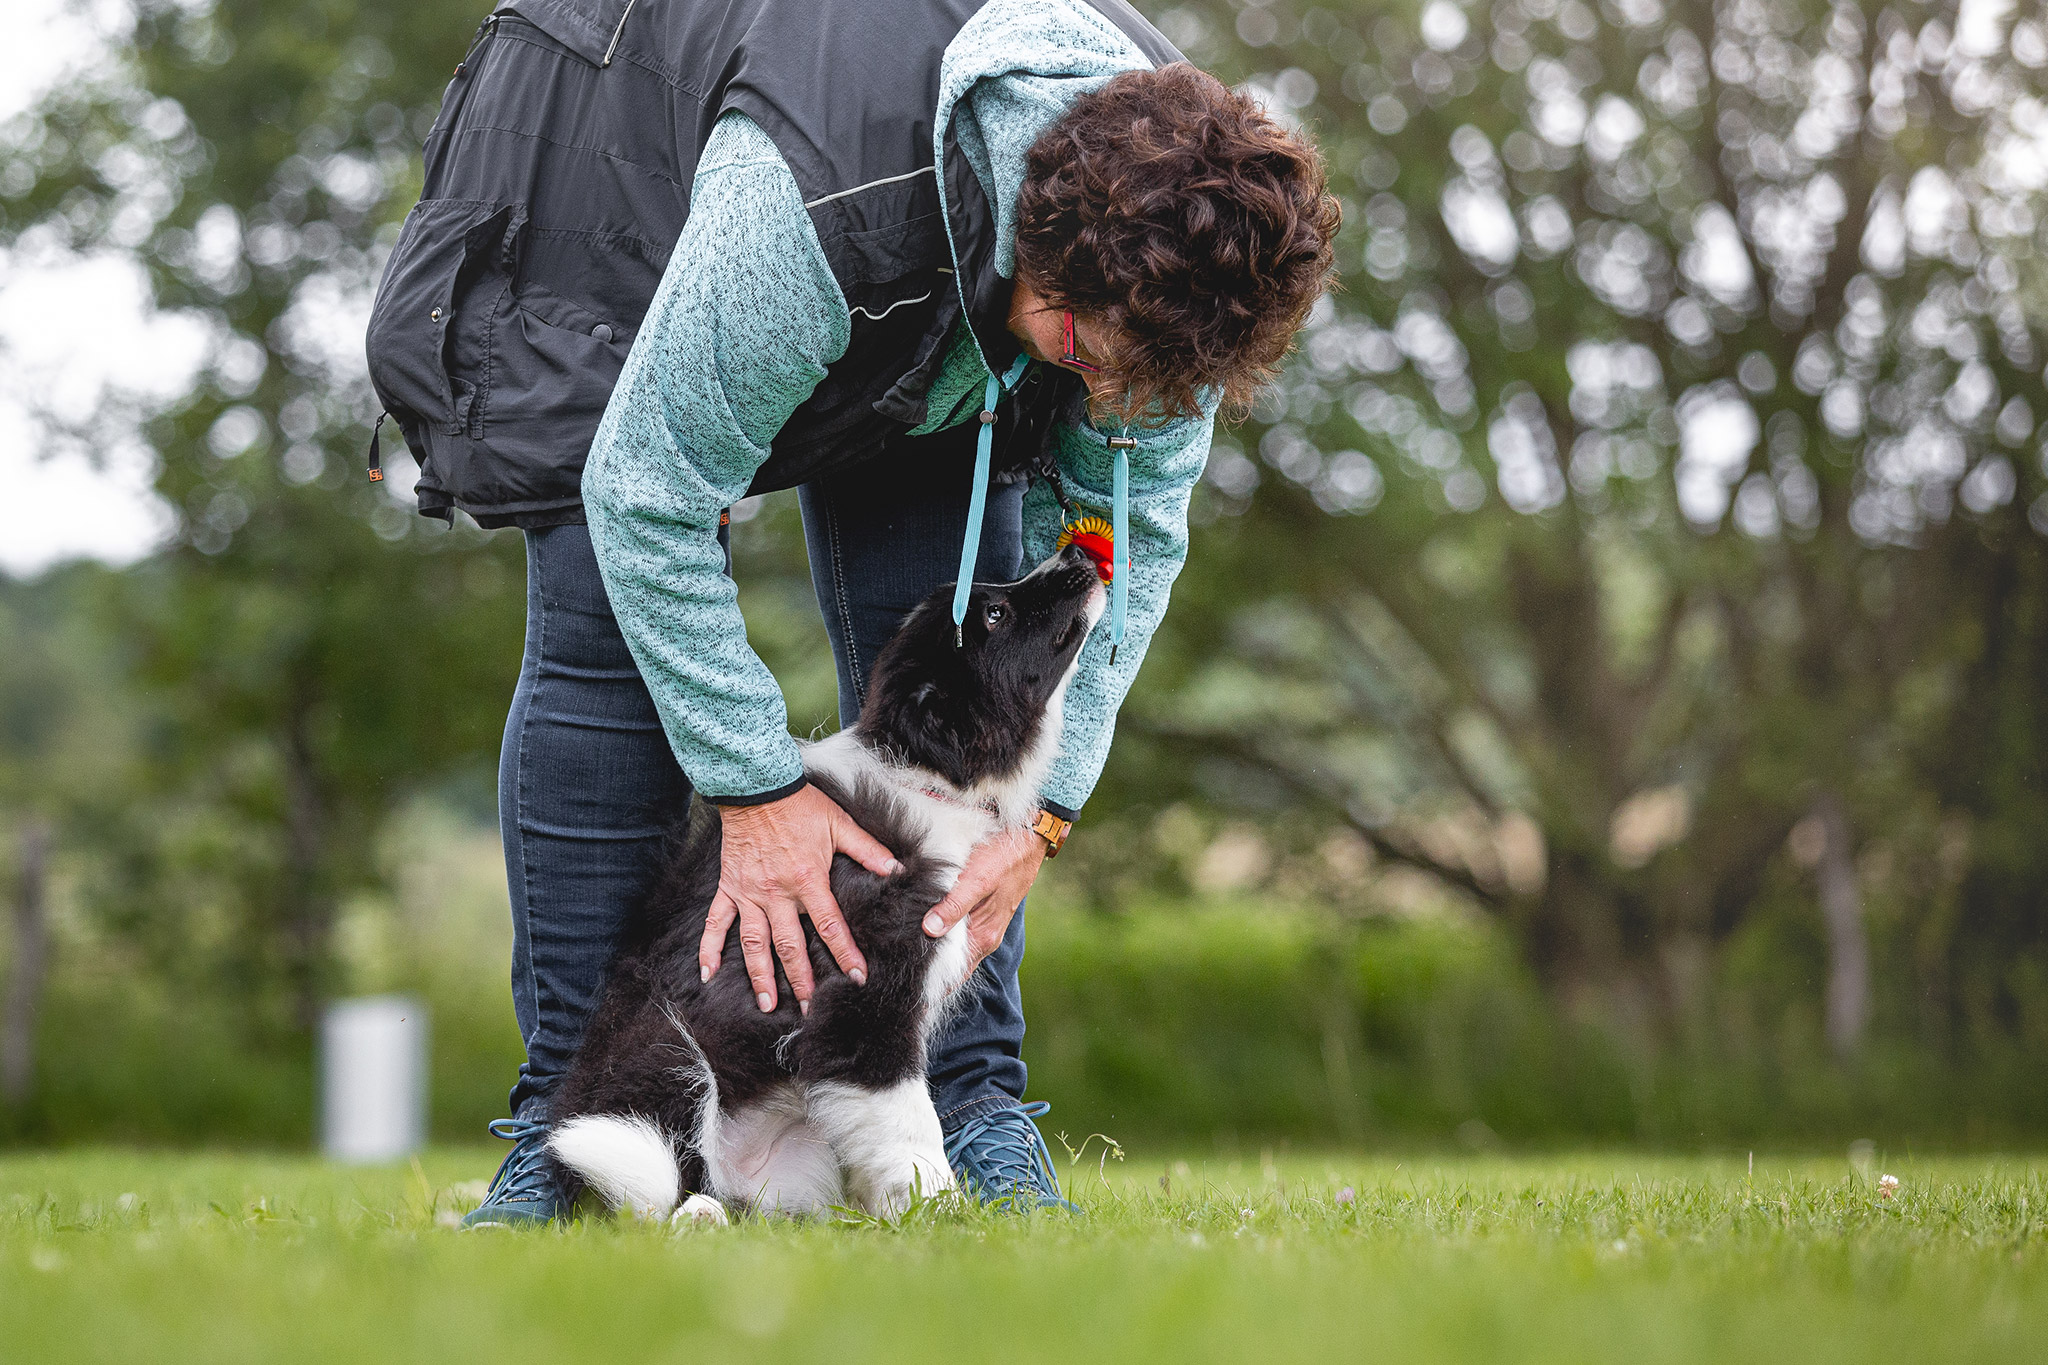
(373, 1078)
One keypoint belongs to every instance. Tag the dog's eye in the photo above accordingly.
(996, 614)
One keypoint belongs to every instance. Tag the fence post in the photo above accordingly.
(373, 1078)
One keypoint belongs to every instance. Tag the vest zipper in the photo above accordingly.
(483, 31)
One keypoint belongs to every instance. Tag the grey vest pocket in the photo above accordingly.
(447, 247)
(474, 361)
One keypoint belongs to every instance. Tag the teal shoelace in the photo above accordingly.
(523, 1176)
(1004, 1153)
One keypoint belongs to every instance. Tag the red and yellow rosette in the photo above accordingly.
(1096, 539)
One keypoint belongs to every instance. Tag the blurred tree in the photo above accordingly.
(1644, 527)
(68, 745)
(1660, 482)
(312, 648)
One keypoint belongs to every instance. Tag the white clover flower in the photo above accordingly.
(1887, 1186)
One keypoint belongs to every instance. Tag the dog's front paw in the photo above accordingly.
(918, 1178)
(700, 1211)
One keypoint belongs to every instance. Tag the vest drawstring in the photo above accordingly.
(977, 501)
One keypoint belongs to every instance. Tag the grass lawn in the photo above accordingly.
(144, 1256)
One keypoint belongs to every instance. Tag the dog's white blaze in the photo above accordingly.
(626, 1159)
(1016, 796)
(888, 1140)
(770, 1155)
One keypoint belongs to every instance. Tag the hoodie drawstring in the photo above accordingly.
(977, 503)
(984, 443)
(1120, 540)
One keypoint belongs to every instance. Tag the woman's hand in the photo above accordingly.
(775, 865)
(990, 888)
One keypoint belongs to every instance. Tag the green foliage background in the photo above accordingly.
(1603, 700)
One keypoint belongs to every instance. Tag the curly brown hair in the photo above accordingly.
(1195, 229)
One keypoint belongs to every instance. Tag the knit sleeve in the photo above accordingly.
(745, 321)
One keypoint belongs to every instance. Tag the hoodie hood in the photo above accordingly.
(1011, 71)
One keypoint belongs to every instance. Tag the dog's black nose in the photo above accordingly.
(1074, 557)
(1078, 570)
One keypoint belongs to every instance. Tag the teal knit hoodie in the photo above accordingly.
(745, 322)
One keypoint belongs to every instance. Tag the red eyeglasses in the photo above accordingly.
(1068, 357)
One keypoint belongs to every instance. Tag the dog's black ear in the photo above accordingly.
(923, 724)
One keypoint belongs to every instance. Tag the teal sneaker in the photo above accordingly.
(1001, 1158)
(523, 1192)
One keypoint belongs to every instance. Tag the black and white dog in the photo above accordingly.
(682, 1086)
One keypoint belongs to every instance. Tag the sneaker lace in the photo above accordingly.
(1005, 1153)
(524, 1172)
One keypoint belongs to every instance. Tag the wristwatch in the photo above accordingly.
(1053, 830)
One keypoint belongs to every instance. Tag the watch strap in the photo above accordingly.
(1053, 830)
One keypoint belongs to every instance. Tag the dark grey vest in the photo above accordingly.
(558, 177)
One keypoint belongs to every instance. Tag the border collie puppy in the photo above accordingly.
(682, 1085)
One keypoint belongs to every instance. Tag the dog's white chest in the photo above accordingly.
(951, 833)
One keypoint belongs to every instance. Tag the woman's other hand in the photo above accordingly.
(998, 873)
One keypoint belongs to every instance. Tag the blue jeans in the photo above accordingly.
(587, 784)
